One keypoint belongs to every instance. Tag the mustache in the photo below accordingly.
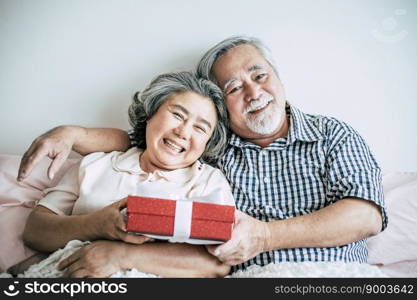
(255, 104)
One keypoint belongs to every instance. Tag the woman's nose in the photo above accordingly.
(183, 131)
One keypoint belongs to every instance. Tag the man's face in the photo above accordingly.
(254, 94)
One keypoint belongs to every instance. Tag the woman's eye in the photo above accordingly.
(178, 115)
(234, 90)
(201, 129)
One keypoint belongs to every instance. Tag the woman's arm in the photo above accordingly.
(58, 143)
(173, 260)
(104, 258)
(47, 231)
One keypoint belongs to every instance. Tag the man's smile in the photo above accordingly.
(254, 110)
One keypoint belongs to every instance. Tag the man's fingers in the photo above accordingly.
(30, 159)
(232, 262)
(211, 249)
(226, 248)
(228, 259)
(23, 163)
(239, 215)
(56, 164)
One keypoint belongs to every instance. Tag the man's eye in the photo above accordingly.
(260, 76)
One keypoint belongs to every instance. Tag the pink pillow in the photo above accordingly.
(16, 202)
(395, 249)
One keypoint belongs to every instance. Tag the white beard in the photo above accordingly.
(267, 122)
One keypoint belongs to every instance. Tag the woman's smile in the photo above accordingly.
(173, 146)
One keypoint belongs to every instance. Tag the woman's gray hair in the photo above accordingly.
(146, 103)
(205, 66)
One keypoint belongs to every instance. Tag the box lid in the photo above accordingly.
(166, 207)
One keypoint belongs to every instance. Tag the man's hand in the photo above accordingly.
(56, 144)
(249, 238)
(99, 259)
(108, 223)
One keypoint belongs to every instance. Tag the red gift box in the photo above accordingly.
(157, 216)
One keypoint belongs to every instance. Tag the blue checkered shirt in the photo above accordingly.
(321, 161)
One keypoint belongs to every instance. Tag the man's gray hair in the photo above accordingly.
(146, 103)
(205, 66)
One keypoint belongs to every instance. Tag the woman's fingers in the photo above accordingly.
(135, 238)
(122, 203)
(78, 273)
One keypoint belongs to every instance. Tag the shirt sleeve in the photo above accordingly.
(217, 181)
(352, 171)
(61, 198)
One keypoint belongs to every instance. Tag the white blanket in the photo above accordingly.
(48, 268)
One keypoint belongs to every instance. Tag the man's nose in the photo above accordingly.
(183, 131)
(252, 91)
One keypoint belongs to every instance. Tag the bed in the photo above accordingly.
(392, 253)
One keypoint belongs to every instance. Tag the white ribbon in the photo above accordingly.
(182, 222)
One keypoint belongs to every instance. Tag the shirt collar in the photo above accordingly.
(129, 162)
(302, 127)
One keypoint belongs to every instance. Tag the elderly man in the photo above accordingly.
(307, 187)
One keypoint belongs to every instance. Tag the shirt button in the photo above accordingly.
(151, 178)
(266, 179)
(262, 152)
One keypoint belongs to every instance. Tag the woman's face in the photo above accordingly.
(178, 132)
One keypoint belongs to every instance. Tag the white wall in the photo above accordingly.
(79, 61)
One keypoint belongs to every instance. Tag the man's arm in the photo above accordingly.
(341, 223)
(58, 143)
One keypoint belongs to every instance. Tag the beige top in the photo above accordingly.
(103, 178)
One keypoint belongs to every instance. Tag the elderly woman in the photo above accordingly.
(177, 120)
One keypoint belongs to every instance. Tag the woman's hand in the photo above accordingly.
(108, 223)
(99, 259)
